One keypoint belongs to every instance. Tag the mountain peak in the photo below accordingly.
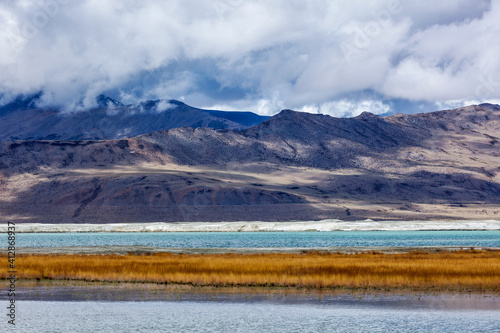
(366, 114)
(21, 102)
(104, 101)
(287, 114)
(176, 102)
(493, 107)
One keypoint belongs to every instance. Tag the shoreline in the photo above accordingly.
(141, 249)
(259, 226)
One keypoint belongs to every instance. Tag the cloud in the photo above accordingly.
(257, 55)
(449, 62)
(348, 108)
(164, 106)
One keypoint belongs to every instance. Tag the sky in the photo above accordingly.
(332, 57)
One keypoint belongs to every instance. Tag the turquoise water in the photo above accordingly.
(189, 316)
(266, 239)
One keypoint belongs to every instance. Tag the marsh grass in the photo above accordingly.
(461, 270)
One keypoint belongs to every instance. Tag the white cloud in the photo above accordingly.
(449, 62)
(258, 55)
(455, 104)
(164, 106)
(348, 108)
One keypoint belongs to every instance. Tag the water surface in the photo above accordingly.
(192, 316)
(489, 238)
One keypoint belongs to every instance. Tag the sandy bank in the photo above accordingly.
(258, 226)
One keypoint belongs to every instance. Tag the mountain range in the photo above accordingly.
(292, 166)
(21, 119)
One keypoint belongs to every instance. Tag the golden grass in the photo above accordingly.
(462, 270)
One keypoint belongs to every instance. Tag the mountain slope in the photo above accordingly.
(293, 166)
(112, 120)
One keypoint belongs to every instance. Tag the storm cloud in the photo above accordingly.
(333, 57)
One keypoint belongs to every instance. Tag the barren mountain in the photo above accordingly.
(293, 166)
(22, 120)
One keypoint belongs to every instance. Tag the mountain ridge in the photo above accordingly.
(20, 120)
(292, 166)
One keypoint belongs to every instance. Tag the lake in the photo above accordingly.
(488, 238)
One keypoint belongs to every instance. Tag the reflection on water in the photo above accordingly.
(254, 316)
(58, 306)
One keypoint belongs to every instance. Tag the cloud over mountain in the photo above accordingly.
(338, 58)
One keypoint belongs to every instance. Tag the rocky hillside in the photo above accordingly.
(22, 120)
(293, 166)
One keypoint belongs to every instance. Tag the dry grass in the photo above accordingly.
(463, 270)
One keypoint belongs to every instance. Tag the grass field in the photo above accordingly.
(472, 270)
